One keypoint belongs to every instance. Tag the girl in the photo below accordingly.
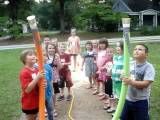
(101, 61)
(54, 61)
(108, 81)
(116, 73)
(89, 60)
(29, 78)
(49, 88)
(74, 46)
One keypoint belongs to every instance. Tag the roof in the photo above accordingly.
(134, 5)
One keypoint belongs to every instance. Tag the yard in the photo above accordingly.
(10, 90)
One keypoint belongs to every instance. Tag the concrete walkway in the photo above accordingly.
(143, 39)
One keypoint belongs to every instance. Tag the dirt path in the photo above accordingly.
(86, 106)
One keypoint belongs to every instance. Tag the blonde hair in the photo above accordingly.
(24, 53)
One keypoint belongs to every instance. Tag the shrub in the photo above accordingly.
(148, 30)
(15, 30)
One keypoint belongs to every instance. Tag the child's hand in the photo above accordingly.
(44, 83)
(40, 75)
(81, 68)
(126, 80)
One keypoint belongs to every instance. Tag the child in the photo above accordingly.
(101, 61)
(116, 73)
(46, 41)
(108, 81)
(89, 58)
(95, 46)
(54, 61)
(95, 50)
(65, 74)
(29, 78)
(49, 89)
(74, 46)
(139, 86)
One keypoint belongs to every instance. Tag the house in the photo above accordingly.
(146, 12)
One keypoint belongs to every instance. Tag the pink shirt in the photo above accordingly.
(101, 58)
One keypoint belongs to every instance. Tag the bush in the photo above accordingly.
(15, 30)
(148, 30)
(3, 26)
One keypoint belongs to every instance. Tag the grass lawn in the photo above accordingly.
(10, 91)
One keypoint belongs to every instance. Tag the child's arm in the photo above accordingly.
(34, 82)
(137, 84)
(147, 79)
(59, 64)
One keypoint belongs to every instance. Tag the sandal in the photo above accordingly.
(102, 97)
(95, 92)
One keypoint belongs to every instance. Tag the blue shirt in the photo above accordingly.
(48, 77)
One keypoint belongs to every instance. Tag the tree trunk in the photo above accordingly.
(61, 2)
(13, 9)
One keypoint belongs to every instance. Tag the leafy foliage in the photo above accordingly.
(148, 30)
(99, 17)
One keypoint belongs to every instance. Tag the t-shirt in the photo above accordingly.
(29, 100)
(48, 77)
(140, 72)
(65, 58)
(101, 58)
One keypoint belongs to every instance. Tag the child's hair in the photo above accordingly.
(89, 43)
(145, 46)
(103, 41)
(24, 53)
(73, 29)
(55, 47)
(46, 36)
(120, 44)
(62, 45)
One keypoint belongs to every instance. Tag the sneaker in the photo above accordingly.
(60, 98)
(111, 110)
(106, 107)
(113, 114)
(69, 97)
(55, 114)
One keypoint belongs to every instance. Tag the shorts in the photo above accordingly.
(108, 87)
(135, 110)
(33, 111)
(117, 88)
(64, 82)
(56, 88)
(73, 54)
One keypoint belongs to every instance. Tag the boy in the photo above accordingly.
(65, 74)
(29, 78)
(142, 75)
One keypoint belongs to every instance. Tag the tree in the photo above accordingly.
(19, 9)
(63, 8)
(99, 17)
